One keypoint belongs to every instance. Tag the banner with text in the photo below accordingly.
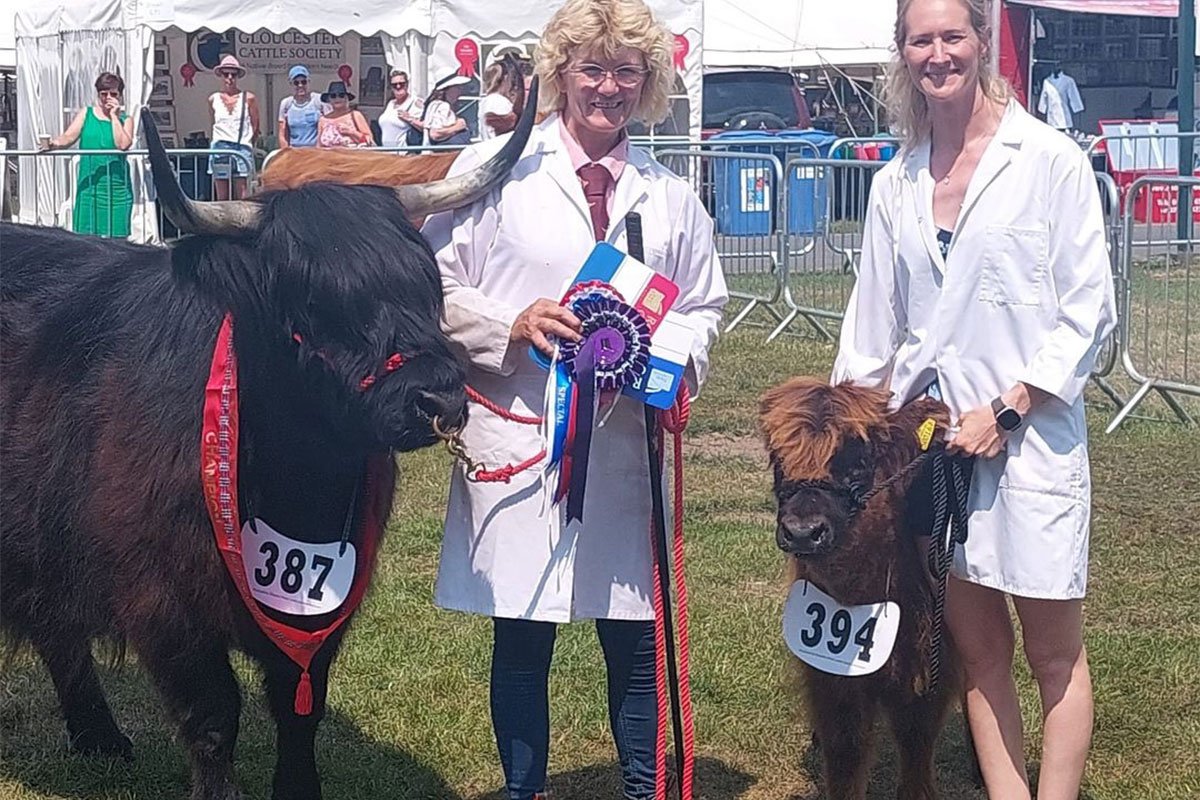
(263, 51)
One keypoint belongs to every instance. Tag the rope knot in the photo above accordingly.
(500, 475)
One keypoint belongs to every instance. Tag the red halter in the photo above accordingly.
(394, 362)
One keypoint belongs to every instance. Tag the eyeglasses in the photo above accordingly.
(336, 95)
(626, 77)
(400, 85)
(109, 93)
(300, 82)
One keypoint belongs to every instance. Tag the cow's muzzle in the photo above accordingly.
(810, 536)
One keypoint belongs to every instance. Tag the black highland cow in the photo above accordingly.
(107, 346)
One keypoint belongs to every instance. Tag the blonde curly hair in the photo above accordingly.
(602, 27)
(906, 104)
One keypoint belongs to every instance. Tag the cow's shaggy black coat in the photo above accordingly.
(828, 443)
(106, 351)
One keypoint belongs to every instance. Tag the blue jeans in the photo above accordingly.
(521, 651)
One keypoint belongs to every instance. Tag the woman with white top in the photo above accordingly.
(401, 114)
(234, 117)
(439, 122)
(984, 278)
(503, 93)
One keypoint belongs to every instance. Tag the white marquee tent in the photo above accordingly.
(63, 44)
(797, 33)
(8, 40)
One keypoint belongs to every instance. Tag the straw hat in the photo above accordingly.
(230, 62)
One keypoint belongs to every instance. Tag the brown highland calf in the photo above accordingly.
(829, 447)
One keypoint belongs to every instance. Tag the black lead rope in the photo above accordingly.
(658, 518)
(951, 484)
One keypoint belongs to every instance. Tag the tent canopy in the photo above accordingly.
(368, 17)
(1133, 8)
(798, 33)
(8, 40)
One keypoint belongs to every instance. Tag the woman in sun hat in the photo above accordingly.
(343, 126)
(299, 113)
(440, 123)
(234, 117)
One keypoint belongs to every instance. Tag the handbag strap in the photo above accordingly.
(242, 119)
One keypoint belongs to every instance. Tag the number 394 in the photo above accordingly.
(291, 577)
(839, 632)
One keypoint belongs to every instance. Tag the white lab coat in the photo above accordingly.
(1025, 294)
(1050, 105)
(506, 552)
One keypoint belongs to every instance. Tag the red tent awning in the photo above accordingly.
(1134, 8)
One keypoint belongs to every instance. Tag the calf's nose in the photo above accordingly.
(804, 536)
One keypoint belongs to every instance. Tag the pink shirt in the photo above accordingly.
(613, 161)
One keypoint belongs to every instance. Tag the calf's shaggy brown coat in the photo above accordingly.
(845, 439)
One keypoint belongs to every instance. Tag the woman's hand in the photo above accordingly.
(978, 434)
(544, 317)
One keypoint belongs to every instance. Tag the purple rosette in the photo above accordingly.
(619, 338)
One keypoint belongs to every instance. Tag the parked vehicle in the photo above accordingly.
(752, 98)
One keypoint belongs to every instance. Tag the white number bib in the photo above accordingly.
(831, 637)
(295, 577)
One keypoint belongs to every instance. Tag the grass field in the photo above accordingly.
(408, 703)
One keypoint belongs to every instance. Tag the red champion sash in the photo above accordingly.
(218, 459)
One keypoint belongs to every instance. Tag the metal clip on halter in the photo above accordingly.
(454, 446)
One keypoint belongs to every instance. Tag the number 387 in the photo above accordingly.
(839, 631)
(291, 577)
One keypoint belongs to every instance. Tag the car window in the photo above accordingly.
(729, 95)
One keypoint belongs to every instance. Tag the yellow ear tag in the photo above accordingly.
(925, 433)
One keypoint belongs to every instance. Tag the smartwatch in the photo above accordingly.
(1007, 417)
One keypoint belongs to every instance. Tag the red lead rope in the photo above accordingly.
(505, 473)
(674, 420)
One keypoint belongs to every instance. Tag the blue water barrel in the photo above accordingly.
(807, 186)
(744, 188)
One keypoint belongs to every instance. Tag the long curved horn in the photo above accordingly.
(423, 199)
(221, 218)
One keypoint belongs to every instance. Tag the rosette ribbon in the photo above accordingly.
(612, 353)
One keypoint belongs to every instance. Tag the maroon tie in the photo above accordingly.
(596, 180)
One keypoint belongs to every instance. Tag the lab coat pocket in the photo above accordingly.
(1014, 265)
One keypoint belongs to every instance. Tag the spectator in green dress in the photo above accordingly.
(102, 194)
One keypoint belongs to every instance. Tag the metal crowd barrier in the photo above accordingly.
(1159, 299)
(740, 191)
(50, 181)
(1106, 360)
(823, 212)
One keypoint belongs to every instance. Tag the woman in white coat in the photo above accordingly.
(505, 261)
(984, 277)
